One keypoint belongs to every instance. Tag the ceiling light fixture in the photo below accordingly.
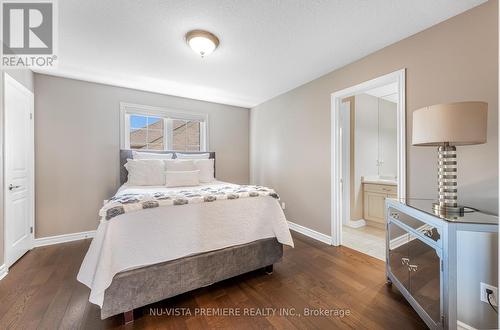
(202, 42)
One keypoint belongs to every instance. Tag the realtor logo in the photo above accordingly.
(28, 32)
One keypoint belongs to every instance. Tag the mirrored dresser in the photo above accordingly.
(421, 256)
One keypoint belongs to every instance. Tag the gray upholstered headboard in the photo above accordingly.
(127, 154)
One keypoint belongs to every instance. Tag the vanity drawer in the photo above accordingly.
(381, 188)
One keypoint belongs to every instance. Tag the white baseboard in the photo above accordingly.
(3, 271)
(310, 233)
(356, 223)
(463, 326)
(43, 241)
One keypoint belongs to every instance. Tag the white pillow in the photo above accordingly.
(150, 155)
(206, 168)
(182, 178)
(179, 165)
(179, 155)
(145, 172)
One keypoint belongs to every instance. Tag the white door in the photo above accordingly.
(19, 174)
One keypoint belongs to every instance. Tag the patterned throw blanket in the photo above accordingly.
(134, 202)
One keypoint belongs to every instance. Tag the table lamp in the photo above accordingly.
(447, 126)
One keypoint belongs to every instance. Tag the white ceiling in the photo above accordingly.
(267, 47)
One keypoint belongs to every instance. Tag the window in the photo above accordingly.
(146, 132)
(151, 128)
(186, 135)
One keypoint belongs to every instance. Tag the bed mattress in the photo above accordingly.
(152, 236)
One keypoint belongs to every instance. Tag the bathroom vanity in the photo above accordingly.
(421, 256)
(375, 191)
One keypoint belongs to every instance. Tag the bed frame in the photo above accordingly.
(140, 287)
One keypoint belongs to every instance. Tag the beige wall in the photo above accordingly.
(77, 147)
(25, 77)
(452, 61)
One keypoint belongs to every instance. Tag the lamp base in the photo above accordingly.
(447, 182)
(454, 210)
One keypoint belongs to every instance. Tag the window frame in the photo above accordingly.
(129, 109)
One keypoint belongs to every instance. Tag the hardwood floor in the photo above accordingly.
(41, 292)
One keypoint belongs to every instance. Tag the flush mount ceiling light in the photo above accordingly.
(202, 42)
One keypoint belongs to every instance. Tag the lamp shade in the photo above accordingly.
(460, 123)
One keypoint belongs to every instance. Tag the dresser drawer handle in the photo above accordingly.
(405, 261)
(412, 268)
(395, 215)
(428, 232)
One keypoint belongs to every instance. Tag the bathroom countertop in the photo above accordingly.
(387, 182)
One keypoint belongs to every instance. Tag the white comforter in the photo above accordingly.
(166, 233)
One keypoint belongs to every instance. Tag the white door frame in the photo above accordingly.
(9, 80)
(346, 162)
(336, 139)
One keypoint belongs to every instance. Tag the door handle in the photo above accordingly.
(11, 187)
(405, 261)
(412, 268)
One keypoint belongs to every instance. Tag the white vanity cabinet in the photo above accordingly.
(374, 195)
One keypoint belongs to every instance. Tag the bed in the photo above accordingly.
(142, 257)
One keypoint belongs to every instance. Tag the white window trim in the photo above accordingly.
(127, 109)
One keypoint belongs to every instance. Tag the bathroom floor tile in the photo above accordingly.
(367, 239)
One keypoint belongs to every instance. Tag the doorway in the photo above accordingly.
(19, 170)
(368, 160)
